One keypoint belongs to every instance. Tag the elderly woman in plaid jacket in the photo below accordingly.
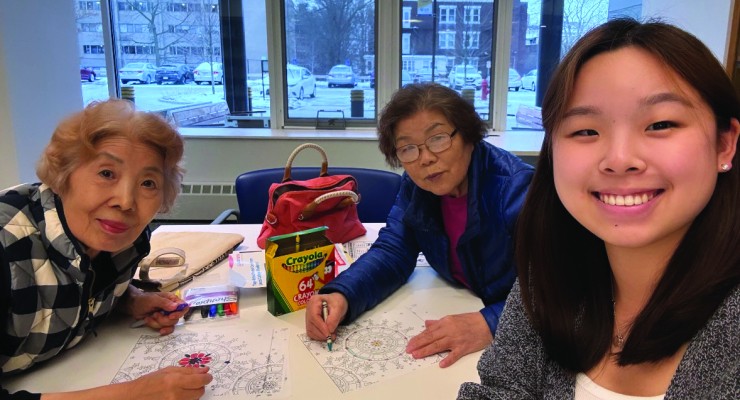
(70, 244)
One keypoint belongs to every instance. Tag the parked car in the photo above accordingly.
(465, 75)
(172, 73)
(406, 78)
(529, 80)
(87, 74)
(341, 75)
(515, 81)
(142, 72)
(424, 75)
(205, 73)
(301, 82)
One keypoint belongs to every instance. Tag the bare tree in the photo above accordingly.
(210, 36)
(336, 27)
(579, 17)
(165, 29)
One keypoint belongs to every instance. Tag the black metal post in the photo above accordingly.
(551, 29)
(234, 54)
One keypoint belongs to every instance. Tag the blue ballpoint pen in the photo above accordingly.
(325, 314)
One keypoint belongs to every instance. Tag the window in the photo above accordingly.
(88, 5)
(471, 40)
(335, 40)
(325, 55)
(133, 28)
(88, 27)
(462, 57)
(524, 91)
(472, 14)
(92, 49)
(137, 49)
(406, 17)
(447, 14)
(132, 5)
(446, 40)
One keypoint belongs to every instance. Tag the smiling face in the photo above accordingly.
(113, 197)
(636, 157)
(443, 173)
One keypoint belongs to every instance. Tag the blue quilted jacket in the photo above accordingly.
(497, 186)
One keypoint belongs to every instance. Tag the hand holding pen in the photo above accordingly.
(320, 324)
(324, 316)
(158, 310)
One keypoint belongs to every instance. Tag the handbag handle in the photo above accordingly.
(310, 209)
(289, 164)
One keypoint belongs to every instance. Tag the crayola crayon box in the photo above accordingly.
(298, 265)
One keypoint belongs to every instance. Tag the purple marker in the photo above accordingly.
(180, 307)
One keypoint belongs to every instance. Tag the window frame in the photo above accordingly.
(388, 30)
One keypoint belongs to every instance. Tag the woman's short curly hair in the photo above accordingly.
(74, 140)
(428, 96)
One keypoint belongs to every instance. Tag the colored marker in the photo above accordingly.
(141, 322)
(190, 313)
(212, 311)
(204, 312)
(180, 307)
(220, 309)
(325, 314)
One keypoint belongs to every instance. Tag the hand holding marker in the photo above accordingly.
(324, 315)
(141, 322)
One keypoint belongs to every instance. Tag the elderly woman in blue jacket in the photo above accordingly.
(458, 204)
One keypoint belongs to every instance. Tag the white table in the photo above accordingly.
(97, 359)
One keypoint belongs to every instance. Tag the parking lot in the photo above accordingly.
(164, 97)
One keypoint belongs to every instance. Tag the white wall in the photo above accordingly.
(709, 20)
(38, 81)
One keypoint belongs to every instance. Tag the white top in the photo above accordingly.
(586, 389)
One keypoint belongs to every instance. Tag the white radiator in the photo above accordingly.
(202, 201)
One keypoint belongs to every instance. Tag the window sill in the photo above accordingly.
(519, 142)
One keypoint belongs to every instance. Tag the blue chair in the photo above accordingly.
(377, 189)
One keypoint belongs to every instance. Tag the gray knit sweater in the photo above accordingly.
(517, 367)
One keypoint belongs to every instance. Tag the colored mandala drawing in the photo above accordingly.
(195, 360)
(370, 350)
(228, 354)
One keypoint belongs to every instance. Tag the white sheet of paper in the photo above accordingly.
(370, 350)
(245, 364)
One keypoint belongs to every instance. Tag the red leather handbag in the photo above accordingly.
(327, 200)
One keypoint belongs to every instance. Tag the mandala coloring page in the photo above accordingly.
(370, 350)
(244, 364)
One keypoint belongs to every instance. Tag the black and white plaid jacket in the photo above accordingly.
(46, 279)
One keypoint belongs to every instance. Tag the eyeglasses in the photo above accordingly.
(436, 144)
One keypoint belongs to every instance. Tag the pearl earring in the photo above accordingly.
(725, 167)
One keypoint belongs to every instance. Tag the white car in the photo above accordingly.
(529, 80)
(301, 82)
(205, 73)
(141, 72)
(515, 81)
(465, 75)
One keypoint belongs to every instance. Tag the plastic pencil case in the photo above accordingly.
(211, 303)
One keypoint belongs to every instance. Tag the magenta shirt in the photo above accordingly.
(455, 217)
